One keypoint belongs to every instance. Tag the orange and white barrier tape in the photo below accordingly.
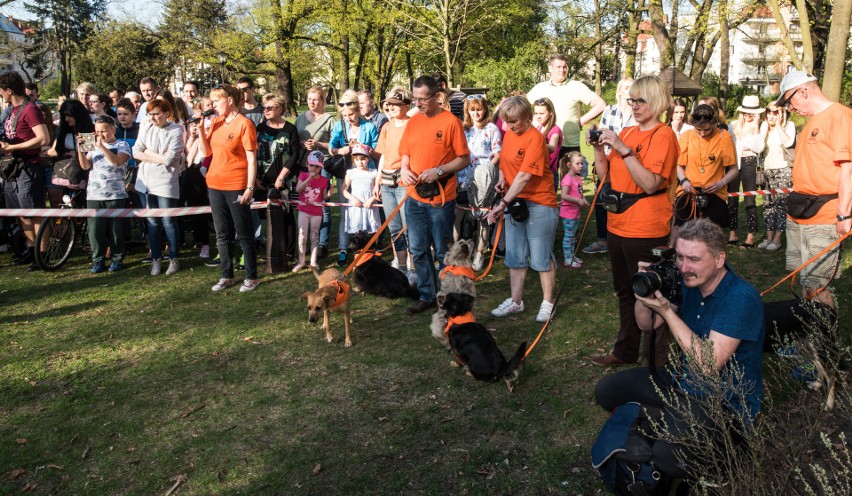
(761, 192)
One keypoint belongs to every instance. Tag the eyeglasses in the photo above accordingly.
(475, 97)
(423, 100)
(786, 103)
(702, 118)
(636, 101)
(272, 107)
(773, 112)
(347, 104)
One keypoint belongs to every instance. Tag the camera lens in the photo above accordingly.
(645, 283)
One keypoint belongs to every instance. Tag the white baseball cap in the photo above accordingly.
(792, 79)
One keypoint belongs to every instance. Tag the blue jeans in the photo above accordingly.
(428, 226)
(325, 227)
(230, 217)
(390, 199)
(156, 223)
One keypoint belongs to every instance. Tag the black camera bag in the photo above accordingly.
(618, 202)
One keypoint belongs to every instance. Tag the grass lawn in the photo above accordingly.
(115, 384)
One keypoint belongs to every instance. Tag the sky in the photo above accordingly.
(145, 11)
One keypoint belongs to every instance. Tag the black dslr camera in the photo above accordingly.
(594, 136)
(662, 274)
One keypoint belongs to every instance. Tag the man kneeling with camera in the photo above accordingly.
(719, 331)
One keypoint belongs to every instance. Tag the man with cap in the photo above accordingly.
(820, 209)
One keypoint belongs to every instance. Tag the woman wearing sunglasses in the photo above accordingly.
(641, 165)
(780, 135)
(750, 144)
(352, 128)
(232, 142)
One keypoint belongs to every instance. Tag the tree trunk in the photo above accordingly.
(835, 53)
(344, 63)
(661, 34)
(598, 54)
(725, 51)
(630, 46)
(807, 41)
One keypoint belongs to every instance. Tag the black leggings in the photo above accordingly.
(748, 178)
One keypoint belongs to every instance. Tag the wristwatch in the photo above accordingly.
(250, 188)
(439, 171)
(841, 218)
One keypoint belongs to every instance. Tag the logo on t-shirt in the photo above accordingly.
(638, 149)
(231, 137)
(520, 153)
(439, 137)
(813, 136)
(712, 157)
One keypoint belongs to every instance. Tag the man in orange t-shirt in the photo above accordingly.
(433, 148)
(822, 169)
(525, 175)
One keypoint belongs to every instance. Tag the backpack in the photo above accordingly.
(623, 455)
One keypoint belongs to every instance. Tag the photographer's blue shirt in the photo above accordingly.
(734, 309)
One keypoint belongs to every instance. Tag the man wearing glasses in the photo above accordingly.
(251, 108)
(822, 177)
(567, 96)
(433, 148)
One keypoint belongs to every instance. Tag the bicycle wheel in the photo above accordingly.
(56, 236)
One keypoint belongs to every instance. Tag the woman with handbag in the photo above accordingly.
(641, 169)
(314, 126)
(351, 129)
(526, 182)
(780, 136)
(397, 102)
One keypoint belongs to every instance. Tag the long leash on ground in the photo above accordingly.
(568, 271)
(375, 236)
(833, 245)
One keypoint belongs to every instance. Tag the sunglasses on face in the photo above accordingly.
(773, 112)
(270, 108)
(347, 104)
(702, 118)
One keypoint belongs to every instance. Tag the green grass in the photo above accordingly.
(114, 384)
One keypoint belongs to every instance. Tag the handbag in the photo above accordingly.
(337, 165)
(68, 174)
(518, 210)
(802, 206)
(760, 176)
(618, 202)
(427, 191)
(390, 179)
(130, 179)
(11, 167)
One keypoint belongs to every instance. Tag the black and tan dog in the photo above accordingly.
(811, 325)
(457, 277)
(474, 347)
(332, 294)
(374, 275)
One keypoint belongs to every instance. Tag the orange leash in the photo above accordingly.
(812, 259)
(569, 270)
(493, 250)
(373, 239)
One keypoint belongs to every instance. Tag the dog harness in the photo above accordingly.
(465, 318)
(364, 256)
(341, 295)
(458, 271)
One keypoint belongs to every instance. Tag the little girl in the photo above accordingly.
(572, 201)
(544, 119)
(312, 187)
(358, 188)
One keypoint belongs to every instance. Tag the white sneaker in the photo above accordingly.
(156, 267)
(412, 277)
(544, 312)
(478, 261)
(772, 247)
(205, 252)
(222, 284)
(249, 285)
(576, 263)
(508, 307)
(298, 267)
(395, 264)
(763, 244)
(173, 267)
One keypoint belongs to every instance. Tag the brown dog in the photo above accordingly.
(332, 294)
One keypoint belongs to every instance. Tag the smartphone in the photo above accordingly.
(88, 142)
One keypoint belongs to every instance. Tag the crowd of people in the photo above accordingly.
(665, 173)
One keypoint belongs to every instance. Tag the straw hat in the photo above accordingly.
(751, 105)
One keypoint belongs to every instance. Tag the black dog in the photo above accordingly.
(375, 276)
(475, 347)
(797, 320)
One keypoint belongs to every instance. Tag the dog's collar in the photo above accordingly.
(363, 256)
(465, 318)
(458, 271)
(341, 295)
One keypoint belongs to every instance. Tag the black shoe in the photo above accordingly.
(420, 307)
(33, 267)
(26, 259)
(322, 251)
(500, 253)
(213, 262)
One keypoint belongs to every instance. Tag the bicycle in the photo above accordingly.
(57, 236)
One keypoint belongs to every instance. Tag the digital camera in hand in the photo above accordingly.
(662, 275)
(594, 136)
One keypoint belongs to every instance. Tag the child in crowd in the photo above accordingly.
(544, 119)
(105, 190)
(572, 201)
(358, 189)
(312, 187)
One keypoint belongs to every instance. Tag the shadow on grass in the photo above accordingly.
(65, 310)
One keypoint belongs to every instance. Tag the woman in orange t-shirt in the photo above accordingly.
(232, 141)
(642, 162)
(525, 177)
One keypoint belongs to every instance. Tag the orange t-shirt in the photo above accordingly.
(229, 143)
(431, 142)
(824, 143)
(705, 160)
(528, 153)
(657, 151)
(388, 145)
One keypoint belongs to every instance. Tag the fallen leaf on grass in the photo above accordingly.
(30, 487)
(15, 474)
(248, 338)
(382, 419)
(55, 467)
(838, 446)
(317, 469)
(21, 440)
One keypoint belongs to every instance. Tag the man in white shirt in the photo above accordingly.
(149, 89)
(567, 96)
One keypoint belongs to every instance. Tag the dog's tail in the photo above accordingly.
(512, 368)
